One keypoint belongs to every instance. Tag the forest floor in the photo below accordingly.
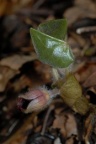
(20, 70)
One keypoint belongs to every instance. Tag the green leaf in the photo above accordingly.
(70, 90)
(49, 44)
(50, 50)
(54, 28)
(71, 93)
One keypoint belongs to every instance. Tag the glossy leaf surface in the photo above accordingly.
(54, 28)
(50, 48)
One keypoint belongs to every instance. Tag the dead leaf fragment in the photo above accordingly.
(21, 83)
(90, 81)
(71, 126)
(5, 75)
(80, 10)
(20, 135)
(8, 7)
(89, 4)
(3, 5)
(16, 61)
(85, 70)
(66, 124)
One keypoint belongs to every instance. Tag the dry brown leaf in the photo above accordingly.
(71, 140)
(59, 123)
(80, 11)
(21, 83)
(89, 4)
(90, 81)
(71, 126)
(66, 124)
(25, 81)
(21, 135)
(5, 75)
(16, 61)
(3, 4)
(8, 7)
(85, 71)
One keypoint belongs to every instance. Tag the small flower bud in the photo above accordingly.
(35, 99)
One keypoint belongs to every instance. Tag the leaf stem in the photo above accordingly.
(46, 119)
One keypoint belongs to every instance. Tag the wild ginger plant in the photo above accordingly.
(49, 41)
(50, 44)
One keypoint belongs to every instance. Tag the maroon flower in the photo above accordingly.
(34, 100)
